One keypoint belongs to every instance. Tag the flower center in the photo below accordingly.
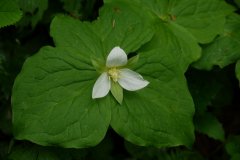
(114, 74)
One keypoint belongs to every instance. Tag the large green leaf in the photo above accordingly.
(9, 12)
(52, 102)
(225, 49)
(161, 114)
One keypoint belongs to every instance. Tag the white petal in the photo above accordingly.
(101, 86)
(117, 57)
(131, 80)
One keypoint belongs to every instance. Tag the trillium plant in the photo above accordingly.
(116, 76)
(159, 74)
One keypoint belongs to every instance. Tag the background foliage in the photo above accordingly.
(192, 52)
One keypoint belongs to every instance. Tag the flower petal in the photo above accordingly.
(131, 80)
(101, 86)
(117, 57)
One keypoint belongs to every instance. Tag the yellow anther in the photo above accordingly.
(114, 74)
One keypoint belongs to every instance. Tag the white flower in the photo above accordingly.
(116, 73)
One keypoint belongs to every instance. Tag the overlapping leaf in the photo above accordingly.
(208, 124)
(9, 12)
(225, 49)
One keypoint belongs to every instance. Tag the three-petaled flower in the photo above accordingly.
(116, 74)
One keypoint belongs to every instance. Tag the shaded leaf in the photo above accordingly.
(209, 125)
(9, 12)
(33, 11)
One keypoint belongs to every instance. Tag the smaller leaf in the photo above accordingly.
(225, 49)
(209, 125)
(117, 92)
(132, 61)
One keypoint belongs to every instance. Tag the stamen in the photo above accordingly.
(114, 74)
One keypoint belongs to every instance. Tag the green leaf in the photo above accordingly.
(9, 12)
(178, 44)
(184, 46)
(204, 19)
(52, 102)
(225, 49)
(117, 92)
(161, 114)
(137, 30)
(233, 146)
(33, 11)
(209, 125)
